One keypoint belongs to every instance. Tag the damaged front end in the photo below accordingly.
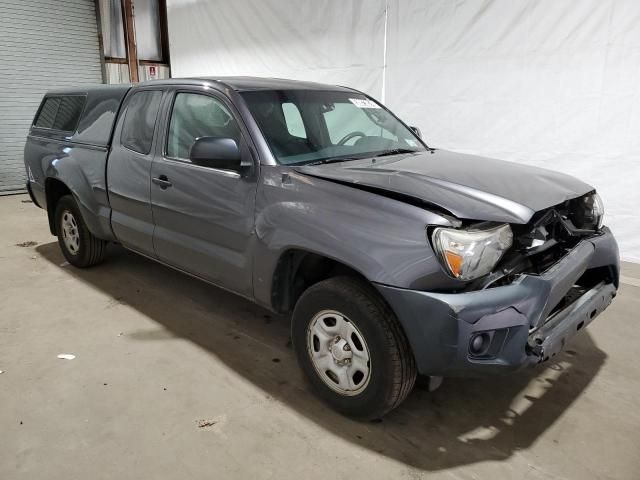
(559, 273)
(539, 248)
(545, 239)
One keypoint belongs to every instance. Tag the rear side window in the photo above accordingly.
(48, 113)
(140, 121)
(60, 112)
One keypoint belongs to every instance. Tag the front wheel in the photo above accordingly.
(79, 246)
(352, 348)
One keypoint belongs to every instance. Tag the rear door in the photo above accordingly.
(129, 171)
(203, 216)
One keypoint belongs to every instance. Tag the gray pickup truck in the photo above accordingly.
(393, 258)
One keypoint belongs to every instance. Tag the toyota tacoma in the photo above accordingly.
(392, 258)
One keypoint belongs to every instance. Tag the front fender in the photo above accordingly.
(382, 238)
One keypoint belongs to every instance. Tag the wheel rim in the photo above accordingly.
(70, 233)
(339, 353)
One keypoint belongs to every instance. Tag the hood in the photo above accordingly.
(467, 186)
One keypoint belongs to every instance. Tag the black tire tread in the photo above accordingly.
(97, 249)
(399, 349)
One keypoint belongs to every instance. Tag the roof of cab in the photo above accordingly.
(239, 84)
(103, 101)
(242, 84)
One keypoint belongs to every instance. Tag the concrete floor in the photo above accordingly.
(157, 353)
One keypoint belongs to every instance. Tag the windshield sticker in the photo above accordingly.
(411, 142)
(364, 103)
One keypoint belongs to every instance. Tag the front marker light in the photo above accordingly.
(470, 254)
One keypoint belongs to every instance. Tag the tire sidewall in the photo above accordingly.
(380, 383)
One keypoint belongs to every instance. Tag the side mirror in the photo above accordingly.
(417, 131)
(216, 152)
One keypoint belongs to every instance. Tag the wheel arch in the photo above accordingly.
(297, 269)
(54, 189)
(95, 217)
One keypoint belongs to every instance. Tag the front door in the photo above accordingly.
(203, 216)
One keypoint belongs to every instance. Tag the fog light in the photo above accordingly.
(479, 343)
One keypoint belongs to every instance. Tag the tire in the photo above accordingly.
(79, 246)
(373, 332)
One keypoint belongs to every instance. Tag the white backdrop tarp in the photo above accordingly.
(553, 83)
(328, 41)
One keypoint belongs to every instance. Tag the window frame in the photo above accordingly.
(167, 126)
(59, 95)
(108, 58)
(129, 37)
(155, 124)
(163, 28)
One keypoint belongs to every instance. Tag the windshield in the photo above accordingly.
(311, 126)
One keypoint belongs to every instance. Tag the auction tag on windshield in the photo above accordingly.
(364, 103)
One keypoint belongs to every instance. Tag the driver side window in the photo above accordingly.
(193, 116)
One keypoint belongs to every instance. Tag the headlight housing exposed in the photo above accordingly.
(594, 210)
(472, 253)
(587, 212)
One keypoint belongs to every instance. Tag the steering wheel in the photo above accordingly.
(349, 136)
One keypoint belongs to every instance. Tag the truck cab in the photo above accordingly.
(136, 185)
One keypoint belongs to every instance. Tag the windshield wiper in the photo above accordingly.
(396, 151)
(324, 161)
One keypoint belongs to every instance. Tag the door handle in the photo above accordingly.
(162, 181)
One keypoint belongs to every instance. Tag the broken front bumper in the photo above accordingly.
(504, 328)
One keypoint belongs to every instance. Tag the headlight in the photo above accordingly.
(469, 254)
(594, 210)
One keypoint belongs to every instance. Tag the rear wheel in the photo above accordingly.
(352, 348)
(79, 246)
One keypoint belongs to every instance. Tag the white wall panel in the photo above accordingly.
(553, 83)
(339, 42)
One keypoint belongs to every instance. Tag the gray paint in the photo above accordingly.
(81, 166)
(204, 222)
(383, 239)
(129, 186)
(34, 58)
(232, 229)
(468, 186)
